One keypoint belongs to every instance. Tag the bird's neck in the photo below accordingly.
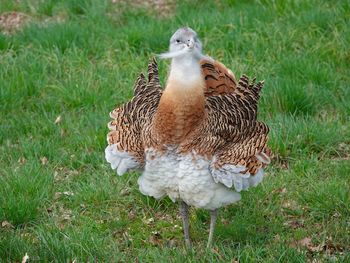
(181, 107)
(185, 71)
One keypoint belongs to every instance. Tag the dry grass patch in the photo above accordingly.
(10, 22)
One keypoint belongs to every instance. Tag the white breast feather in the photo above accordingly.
(231, 175)
(185, 71)
(120, 161)
(188, 177)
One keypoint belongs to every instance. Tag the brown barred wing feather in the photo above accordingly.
(232, 137)
(218, 79)
(131, 119)
(245, 138)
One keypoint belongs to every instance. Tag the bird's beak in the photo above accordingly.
(191, 43)
(173, 54)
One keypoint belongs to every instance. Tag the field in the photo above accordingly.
(65, 64)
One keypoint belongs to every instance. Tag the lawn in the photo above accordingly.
(72, 61)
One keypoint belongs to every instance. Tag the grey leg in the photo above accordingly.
(186, 226)
(213, 216)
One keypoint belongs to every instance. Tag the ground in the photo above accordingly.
(65, 64)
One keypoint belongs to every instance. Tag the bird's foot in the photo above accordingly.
(213, 216)
(186, 226)
(188, 243)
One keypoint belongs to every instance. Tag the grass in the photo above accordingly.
(77, 59)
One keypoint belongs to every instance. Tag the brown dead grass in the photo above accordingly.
(161, 7)
(10, 22)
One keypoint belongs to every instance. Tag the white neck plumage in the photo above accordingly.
(185, 70)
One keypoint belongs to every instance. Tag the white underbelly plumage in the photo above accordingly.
(184, 177)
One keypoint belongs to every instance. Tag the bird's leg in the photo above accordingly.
(186, 226)
(213, 216)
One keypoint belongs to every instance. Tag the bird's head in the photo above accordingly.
(184, 42)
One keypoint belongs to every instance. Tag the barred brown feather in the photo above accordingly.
(229, 130)
(130, 120)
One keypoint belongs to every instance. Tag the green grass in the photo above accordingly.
(77, 59)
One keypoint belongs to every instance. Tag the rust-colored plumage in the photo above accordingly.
(178, 112)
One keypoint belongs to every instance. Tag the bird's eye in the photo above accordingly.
(178, 41)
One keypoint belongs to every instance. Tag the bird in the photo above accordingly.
(198, 140)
